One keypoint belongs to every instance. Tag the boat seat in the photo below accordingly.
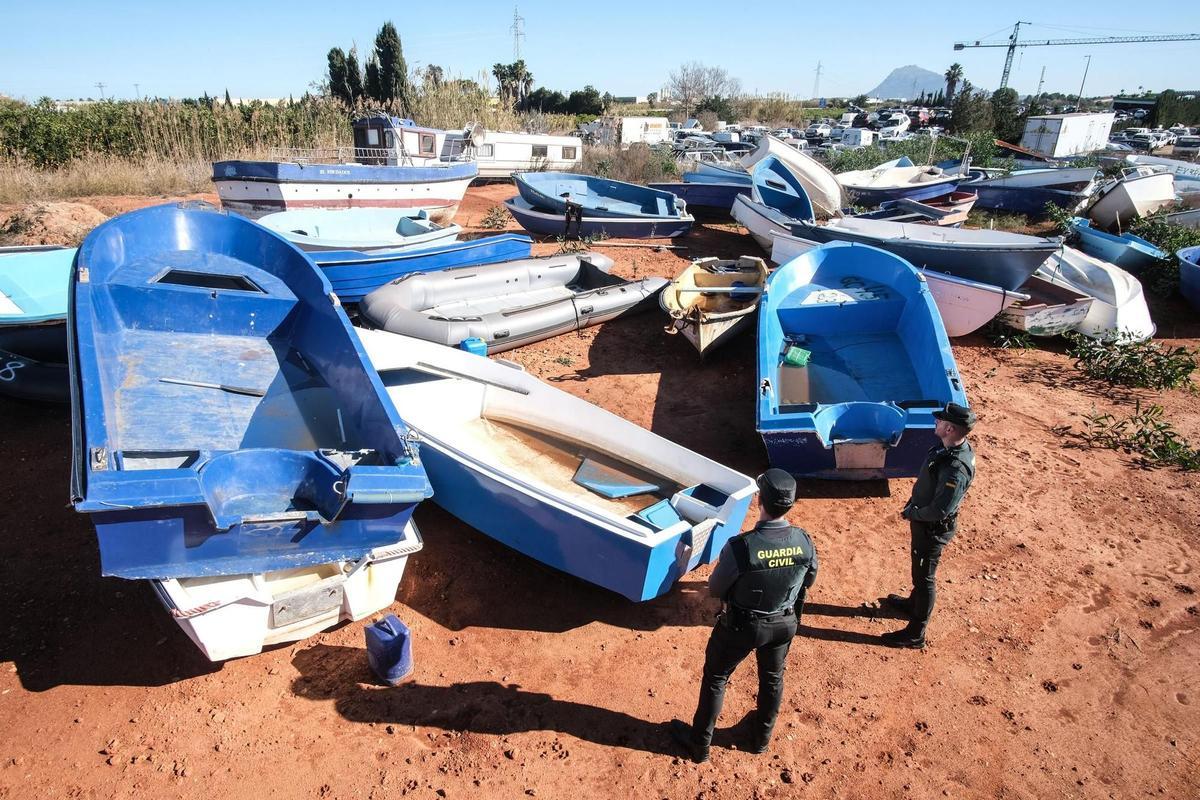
(663, 209)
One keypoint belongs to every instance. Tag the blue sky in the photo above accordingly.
(273, 49)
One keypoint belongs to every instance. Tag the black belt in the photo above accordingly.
(760, 616)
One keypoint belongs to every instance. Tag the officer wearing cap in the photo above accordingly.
(932, 514)
(761, 577)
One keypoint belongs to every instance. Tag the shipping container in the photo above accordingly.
(1060, 135)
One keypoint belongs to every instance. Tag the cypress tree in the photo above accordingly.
(337, 75)
(354, 80)
(393, 72)
(373, 87)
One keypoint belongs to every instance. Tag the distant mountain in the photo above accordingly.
(908, 82)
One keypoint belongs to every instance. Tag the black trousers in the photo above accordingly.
(927, 544)
(728, 646)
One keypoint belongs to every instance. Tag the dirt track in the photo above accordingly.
(1063, 661)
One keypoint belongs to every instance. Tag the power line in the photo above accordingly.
(100, 85)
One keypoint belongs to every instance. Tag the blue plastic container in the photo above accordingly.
(474, 345)
(389, 649)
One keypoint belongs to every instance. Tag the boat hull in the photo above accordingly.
(762, 222)
(1133, 197)
(1118, 305)
(355, 275)
(33, 362)
(545, 223)
(1030, 201)
(1006, 267)
(598, 197)
(1050, 311)
(1129, 252)
(801, 452)
(1189, 275)
(256, 188)
(715, 199)
(872, 198)
(241, 614)
(363, 230)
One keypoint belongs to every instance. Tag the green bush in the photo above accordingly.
(1162, 277)
(1145, 433)
(1129, 362)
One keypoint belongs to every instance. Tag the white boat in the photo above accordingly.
(1074, 179)
(1188, 219)
(1051, 310)
(1139, 192)
(1187, 173)
(1118, 303)
(499, 154)
(713, 299)
(509, 304)
(824, 191)
(366, 230)
(871, 187)
(762, 222)
(555, 477)
(965, 305)
(229, 616)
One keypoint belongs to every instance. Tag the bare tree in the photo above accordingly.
(693, 82)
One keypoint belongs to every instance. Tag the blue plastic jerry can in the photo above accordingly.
(474, 345)
(389, 649)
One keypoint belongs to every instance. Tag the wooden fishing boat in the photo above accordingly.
(853, 360)
(510, 304)
(224, 418)
(713, 299)
(1051, 310)
(553, 476)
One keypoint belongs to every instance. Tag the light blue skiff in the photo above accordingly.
(33, 284)
(367, 230)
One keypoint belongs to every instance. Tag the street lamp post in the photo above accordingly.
(1079, 99)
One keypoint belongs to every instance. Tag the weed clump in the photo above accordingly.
(1126, 361)
(1146, 434)
(1007, 337)
(496, 219)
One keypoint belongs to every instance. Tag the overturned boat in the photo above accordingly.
(510, 304)
(1118, 306)
(555, 477)
(224, 418)
(713, 299)
(826, 194)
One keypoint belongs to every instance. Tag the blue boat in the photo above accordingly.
(552, 476)
(708, 172)
(853, 360)
(355, 275)
(597, 197)
(705, 197)
(224, 417)
(1189, 275)
(1130, 253)
(556, 223)
(778, 188)
(33, 322)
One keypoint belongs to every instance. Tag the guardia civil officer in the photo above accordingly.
(932, 514)
(761, 577)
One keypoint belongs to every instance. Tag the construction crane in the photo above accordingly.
(1012, 43)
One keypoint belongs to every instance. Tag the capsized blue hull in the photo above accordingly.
(878, 365)
(598, 197)
(225, 420)
(711, 198)
(1130, 253)
(355, 275)
(546, 223)
(1189, 275)
(1030, 201)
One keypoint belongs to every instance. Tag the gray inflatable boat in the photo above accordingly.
(507, 304)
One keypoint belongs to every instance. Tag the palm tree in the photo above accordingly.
(953, 76)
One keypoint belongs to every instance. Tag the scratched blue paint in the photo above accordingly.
(225, 419)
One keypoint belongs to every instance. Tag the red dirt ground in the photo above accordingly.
(1063, 660)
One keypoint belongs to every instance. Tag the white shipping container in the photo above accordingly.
(1060, 135)
(625, 131)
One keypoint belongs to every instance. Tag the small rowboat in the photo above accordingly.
(366, 230)
(712, 300)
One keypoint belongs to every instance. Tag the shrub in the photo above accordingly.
(1162, 277)
(1145, 433)
(496, 219)
(1128, 362)
(636, 164)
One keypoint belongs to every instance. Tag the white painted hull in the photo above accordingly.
(237, 615)
(256, 198)
(1133, 197)
(1052, 310)
(965, 306)
(824, 192)
(1118, 303)
(755, 218)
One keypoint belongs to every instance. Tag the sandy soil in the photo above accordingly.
(1063, 660)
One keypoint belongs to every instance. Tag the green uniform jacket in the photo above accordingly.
(940, 486)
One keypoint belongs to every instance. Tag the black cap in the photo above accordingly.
(777, 489)
(959, 415)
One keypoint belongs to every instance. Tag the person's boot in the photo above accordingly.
(683, 734)
(913, 639)
(900, 603)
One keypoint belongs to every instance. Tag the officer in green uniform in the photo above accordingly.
(932, 514)
(761, 577)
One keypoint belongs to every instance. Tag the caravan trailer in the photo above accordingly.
(625, 131)
(499, 154)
